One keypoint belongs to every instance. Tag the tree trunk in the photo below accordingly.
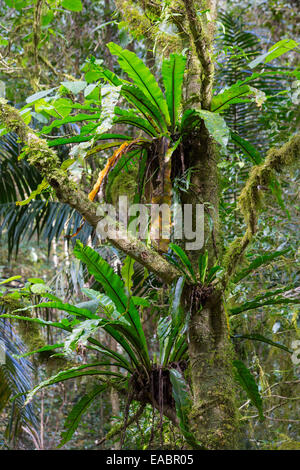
(214, 415)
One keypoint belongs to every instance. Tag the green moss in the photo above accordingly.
(125, 184)
(250, 200)
(29, 332)
(146, 26)
(290, 445)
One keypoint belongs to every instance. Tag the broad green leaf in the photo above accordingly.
(130, 117)
(214, 123)
(47, 18)
(127, 272)
(81, 333)
(72, 5)
(183, 404)
(277, 50)
(73, 418)
(62, 106)
(75, 87)
(175, 307)
(39, 321)
(259, 261)
(211, 275)
(99, 148)
(93, 76)
(246, 380)
(284, 295)
(235, 94)
(89, 89)
(175, 263)
(258, 304)
(36, 280)
(114, 288)
(122, 340)
(10, 279)
(111, 77)
(263, 339)
(78, 118)
(68, 374)
(172, 74)
(140, 301)
(66, 326)
(91, 305)
(39, 95)
(137, 98)
(85, 138)
(249, 149)
(172, 328)
(69, 308)
(223, 100)
(180, 352)
(184, 259)
(216, 126)
(142, 78)
(26, 115)
(49, 347)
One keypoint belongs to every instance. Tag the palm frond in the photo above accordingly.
(42, 218)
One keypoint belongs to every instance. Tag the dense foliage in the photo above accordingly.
(97, 347)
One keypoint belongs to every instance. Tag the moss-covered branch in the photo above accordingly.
(202, 35)
(47, 163)
(250, 198)
(143, 19)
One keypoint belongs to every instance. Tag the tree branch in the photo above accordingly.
(139, 19)
(47, 163)
(202, 37)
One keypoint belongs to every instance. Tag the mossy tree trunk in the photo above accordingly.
(214, 415)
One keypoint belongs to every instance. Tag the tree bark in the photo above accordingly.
(214, 415)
